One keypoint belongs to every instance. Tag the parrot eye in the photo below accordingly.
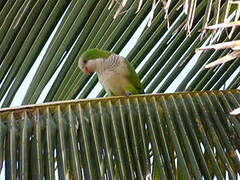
(84, 61)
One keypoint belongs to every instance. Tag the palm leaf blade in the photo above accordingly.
(201, 131)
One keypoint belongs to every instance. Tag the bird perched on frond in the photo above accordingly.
(115, 73)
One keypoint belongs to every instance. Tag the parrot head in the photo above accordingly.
(87, 61)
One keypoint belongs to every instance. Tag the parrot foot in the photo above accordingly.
(126, 94)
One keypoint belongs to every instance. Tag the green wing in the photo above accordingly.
(134, 79)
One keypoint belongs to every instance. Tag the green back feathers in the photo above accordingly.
(95, 54)
(134, 79)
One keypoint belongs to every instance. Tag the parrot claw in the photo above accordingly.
(126, 94)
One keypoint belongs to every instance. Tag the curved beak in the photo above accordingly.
(85, 70)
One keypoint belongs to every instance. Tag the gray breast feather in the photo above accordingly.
(113, 76)
(112, 62)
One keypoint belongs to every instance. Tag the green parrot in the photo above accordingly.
(115, 73)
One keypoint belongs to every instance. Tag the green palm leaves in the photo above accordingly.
(171, 136)
(164, 50)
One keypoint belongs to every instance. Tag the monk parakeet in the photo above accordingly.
(115, 73)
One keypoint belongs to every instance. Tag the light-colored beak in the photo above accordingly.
(85, 70)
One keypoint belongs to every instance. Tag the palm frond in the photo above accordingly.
(165, 136)
(163, 54)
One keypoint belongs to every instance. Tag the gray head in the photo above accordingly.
(87, 61)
